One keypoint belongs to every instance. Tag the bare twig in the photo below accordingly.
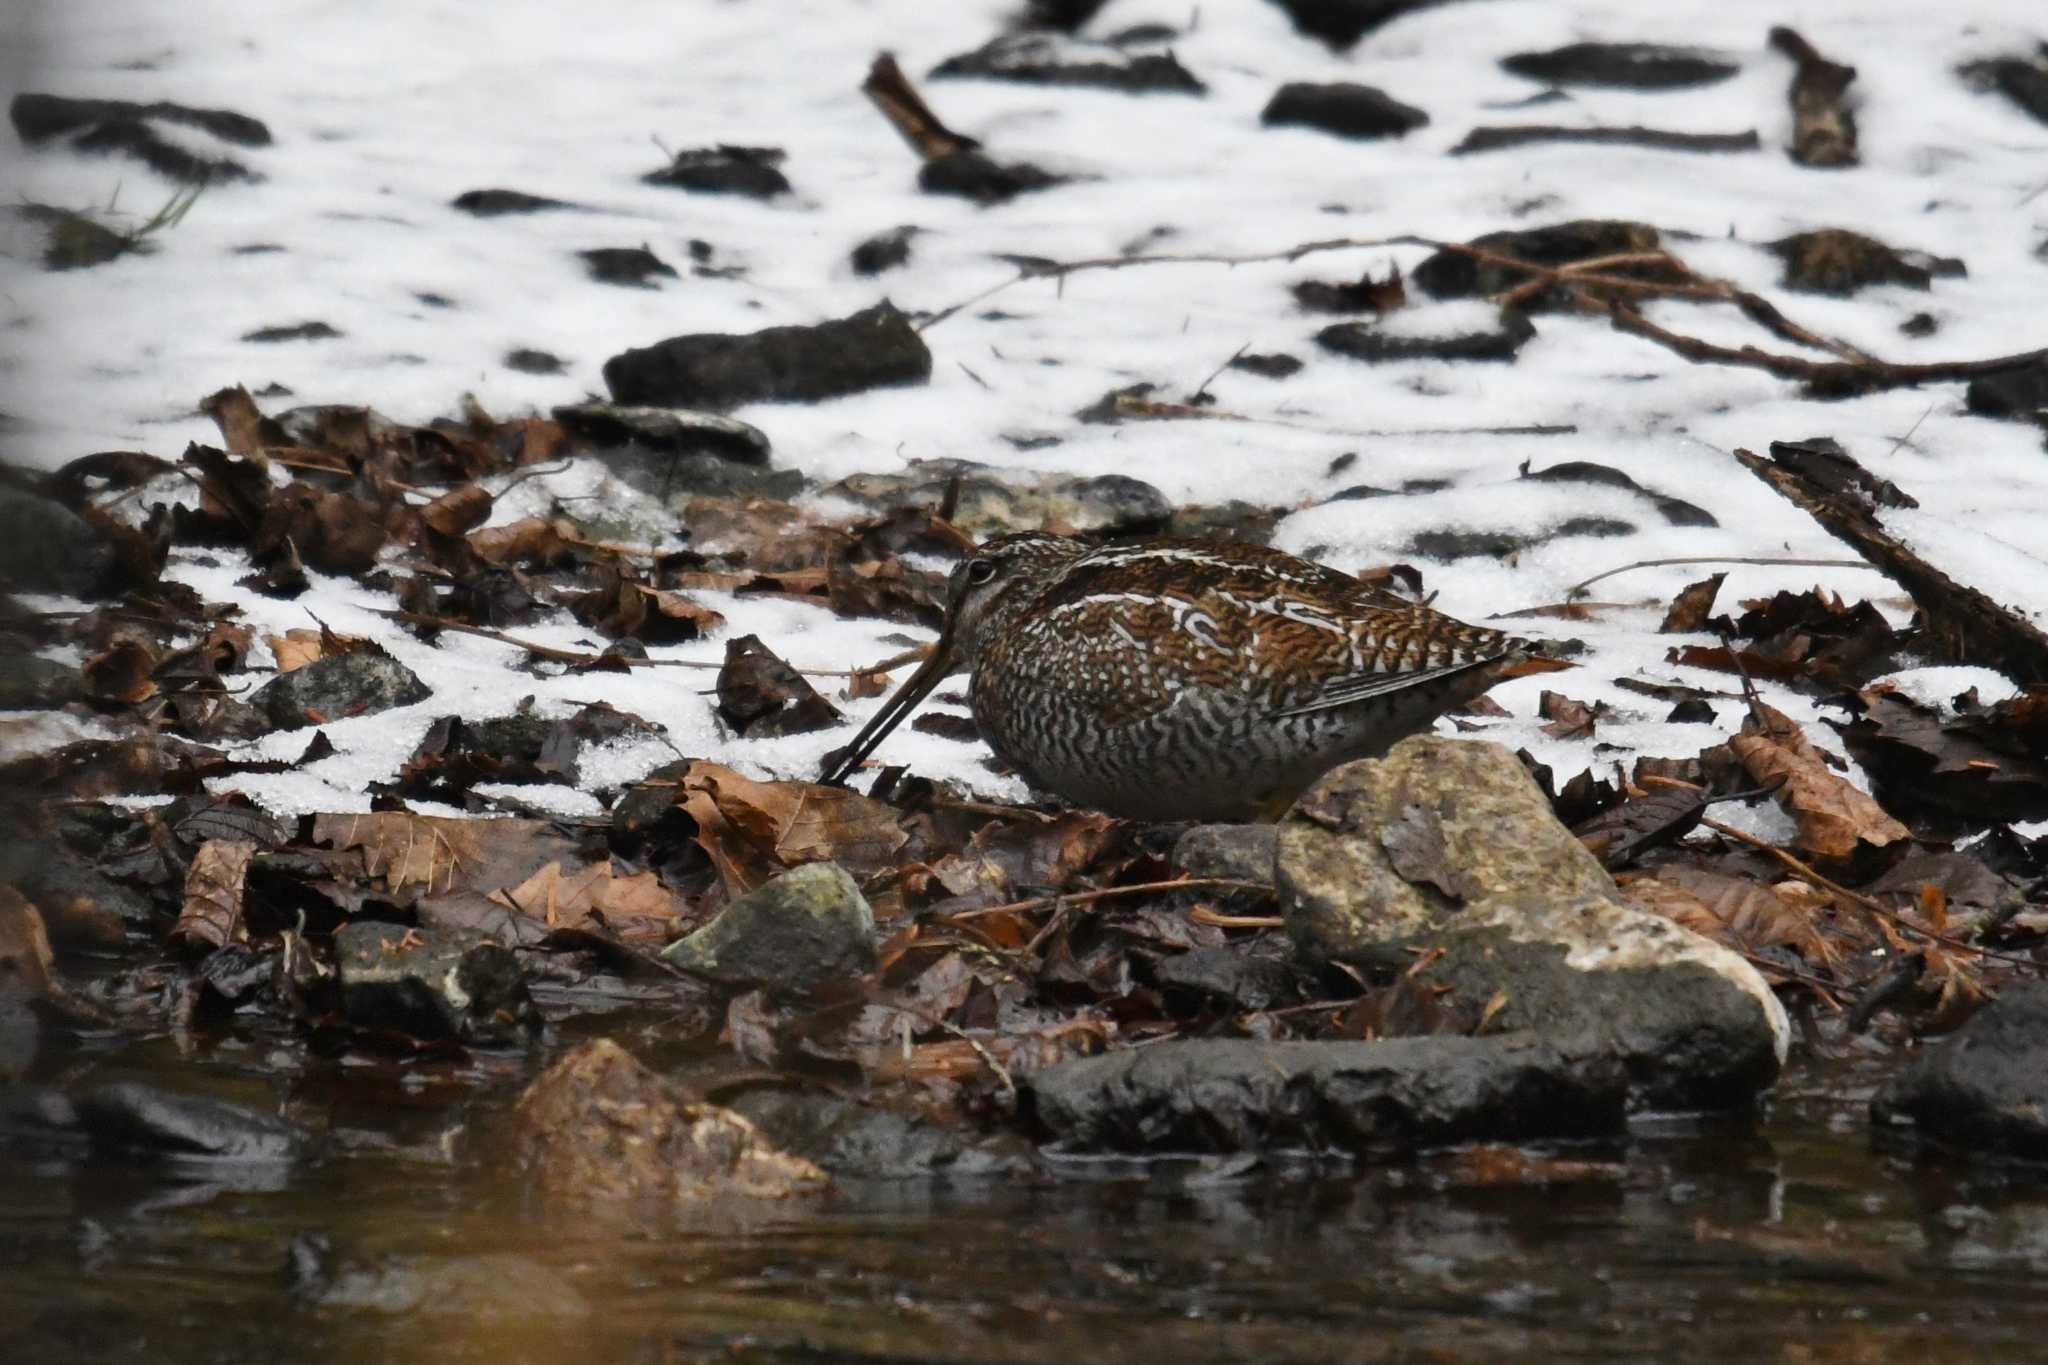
(1877, 909)
(583, 658)
(1106, 893)
(1573, 591)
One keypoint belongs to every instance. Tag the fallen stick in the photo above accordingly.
(1966, 625)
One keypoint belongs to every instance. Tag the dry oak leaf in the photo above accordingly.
(1833, 816)
(636, 908)
(212, 912)
(791, 823)
(439, 855)
(1742, 913)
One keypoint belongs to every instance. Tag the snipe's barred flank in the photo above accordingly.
(1186, 679)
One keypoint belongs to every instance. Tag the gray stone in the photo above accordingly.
(432, 984)
(875, 1141)
(360, 683)
(46, 547)
(1383, 851)
(31, 684)
(806, 927)
(1984, 1088)
(870, 349)
(1238, 852)
(1444, 856)
(994, 500)
(142, 1117)
(1385, 1097)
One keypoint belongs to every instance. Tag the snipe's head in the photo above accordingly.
(988, 591)
(991, 588)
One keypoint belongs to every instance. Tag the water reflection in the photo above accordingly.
(1778, 1238)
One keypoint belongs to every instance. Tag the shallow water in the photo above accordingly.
(1779, 1236)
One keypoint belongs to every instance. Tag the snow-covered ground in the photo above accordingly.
(385, 110)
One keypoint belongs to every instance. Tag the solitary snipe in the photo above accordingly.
(1186, 679)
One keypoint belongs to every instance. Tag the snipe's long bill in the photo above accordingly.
(1186, 679)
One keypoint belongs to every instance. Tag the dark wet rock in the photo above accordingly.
(668, 430)
(1067, 15)
(1386, 1097)
(432, 985)
(749, 171)
(1253, 976)
(600, 1129)
(1677, 511)
(31, 684)
(873, 348)
(883, 251)
(969, 174)
(1241, 853)
(46, 547)
(2023, 80)
(1840, 262)
(2021, 394)
(62, 876)
(632, 266)
(1348, 110)
(481, 1291)
(359, 683)
(1235, 519)
(860, 1141)
(679, 480)
(1277, 365)
(1984, 1088)
(800, 930)
(527, 360)
(36, 1113)
(293, 331)
(1629, 66)
(496, 203)
(76, 241)
(1041, 58)
(1444, 857)
(124, 126)
(1452, 274)
(1494, 139)
(993, 500)
(1340, 23)
(139, 1117)
(1364, 340)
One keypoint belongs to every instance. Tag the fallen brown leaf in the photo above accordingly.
(1833, 816)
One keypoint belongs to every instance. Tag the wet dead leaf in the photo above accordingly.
(761, 697)
(212, 910)
(434, 855)
(1693, 605)
(1833, 816)
(121, 673)
(636, 907)
(1743, 913)
(458, 510)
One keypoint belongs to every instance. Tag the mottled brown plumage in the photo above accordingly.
(1185, 679)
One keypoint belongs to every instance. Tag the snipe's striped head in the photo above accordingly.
(992, 588)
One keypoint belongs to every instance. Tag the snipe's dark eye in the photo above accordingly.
(980, 570)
